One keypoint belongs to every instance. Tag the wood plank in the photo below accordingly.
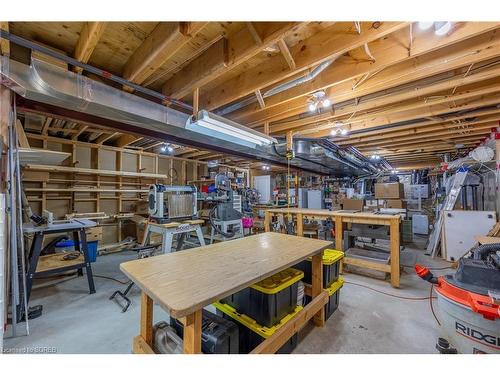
(300, 225)
(4, 43)
(394, 66)
(317, 286)
(192, 333)
(260, 99)
(255, 34)
(39, 155)
(184, 282)
(126, 139)
(283, 334)
(102, 172)
(241, 47)
(21, 136)
(147, 319)
(286, 54)
(163, 42)
(484, 240)
(307, 53)
(199, 71)
(377, 266)
(89, 37)
(139, 346)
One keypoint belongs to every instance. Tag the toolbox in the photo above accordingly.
(251, 334)
(333, 301)
(270, 300)
(331, 267)
(218, 335)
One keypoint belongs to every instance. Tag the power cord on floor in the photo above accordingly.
(433, 268)
(430, 298)
(389, 294)
(432, 307)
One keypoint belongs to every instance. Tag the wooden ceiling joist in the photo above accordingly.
(394, 67)
(89, 37)
(306, 54)
(4, 43)
(240, 47)
(162, 44)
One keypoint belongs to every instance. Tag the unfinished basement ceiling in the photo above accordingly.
(452, 77)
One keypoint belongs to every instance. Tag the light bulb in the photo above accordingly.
(326, 103)
(163, 149)
(312, 107)
(333, 132)
(343, 131)
(170, 149)
(425, 25)
(394, 171)
(443, 29)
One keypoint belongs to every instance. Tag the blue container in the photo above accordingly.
(70, 246)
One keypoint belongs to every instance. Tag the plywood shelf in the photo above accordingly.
(100, 172)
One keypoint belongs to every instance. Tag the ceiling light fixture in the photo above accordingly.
(425, 25)
(219, 127)
(339, 128)
(318, 100)
(442, 28)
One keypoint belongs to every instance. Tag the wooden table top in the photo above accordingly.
(186, 281)
(323, 212)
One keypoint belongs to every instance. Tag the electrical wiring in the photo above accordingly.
(113, 279)
(432, 307)
(390, 294)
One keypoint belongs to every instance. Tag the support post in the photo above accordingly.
(147, 319)
(192, 333)
(317, 287)
(300, 225)
(394, 234)
(267, 221)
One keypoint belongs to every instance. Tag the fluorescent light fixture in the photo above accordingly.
(312, 107)
(326, 103)
(425, 25)
(333, 132)
(222, 128)
(344, 131)
(443, 28)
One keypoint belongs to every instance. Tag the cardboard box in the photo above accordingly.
(353, 204)
(395, 203)
(391, 190)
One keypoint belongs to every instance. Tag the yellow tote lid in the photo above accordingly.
(279, 281)
(335, 286)
(248, 322)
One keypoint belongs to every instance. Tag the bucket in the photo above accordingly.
(69, 245)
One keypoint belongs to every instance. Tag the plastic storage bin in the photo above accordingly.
(333, 302)
(251, 334)
(331, 267)
(218, 335)
(270, 300)
(69, 245)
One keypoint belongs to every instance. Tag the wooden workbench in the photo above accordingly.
(342, 217)
(182, 283)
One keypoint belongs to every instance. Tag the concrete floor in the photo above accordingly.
(366, 321)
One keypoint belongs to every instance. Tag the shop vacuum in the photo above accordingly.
(469, 303)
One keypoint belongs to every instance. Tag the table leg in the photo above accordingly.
(317, 286)
(85, 250)
(192, 333)
(267, 221)
(181, 237)
(394, 233)
(199, 233)
(339, 233)
(147, 319)
(300, 225)
(167, 239)
(36, 249)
